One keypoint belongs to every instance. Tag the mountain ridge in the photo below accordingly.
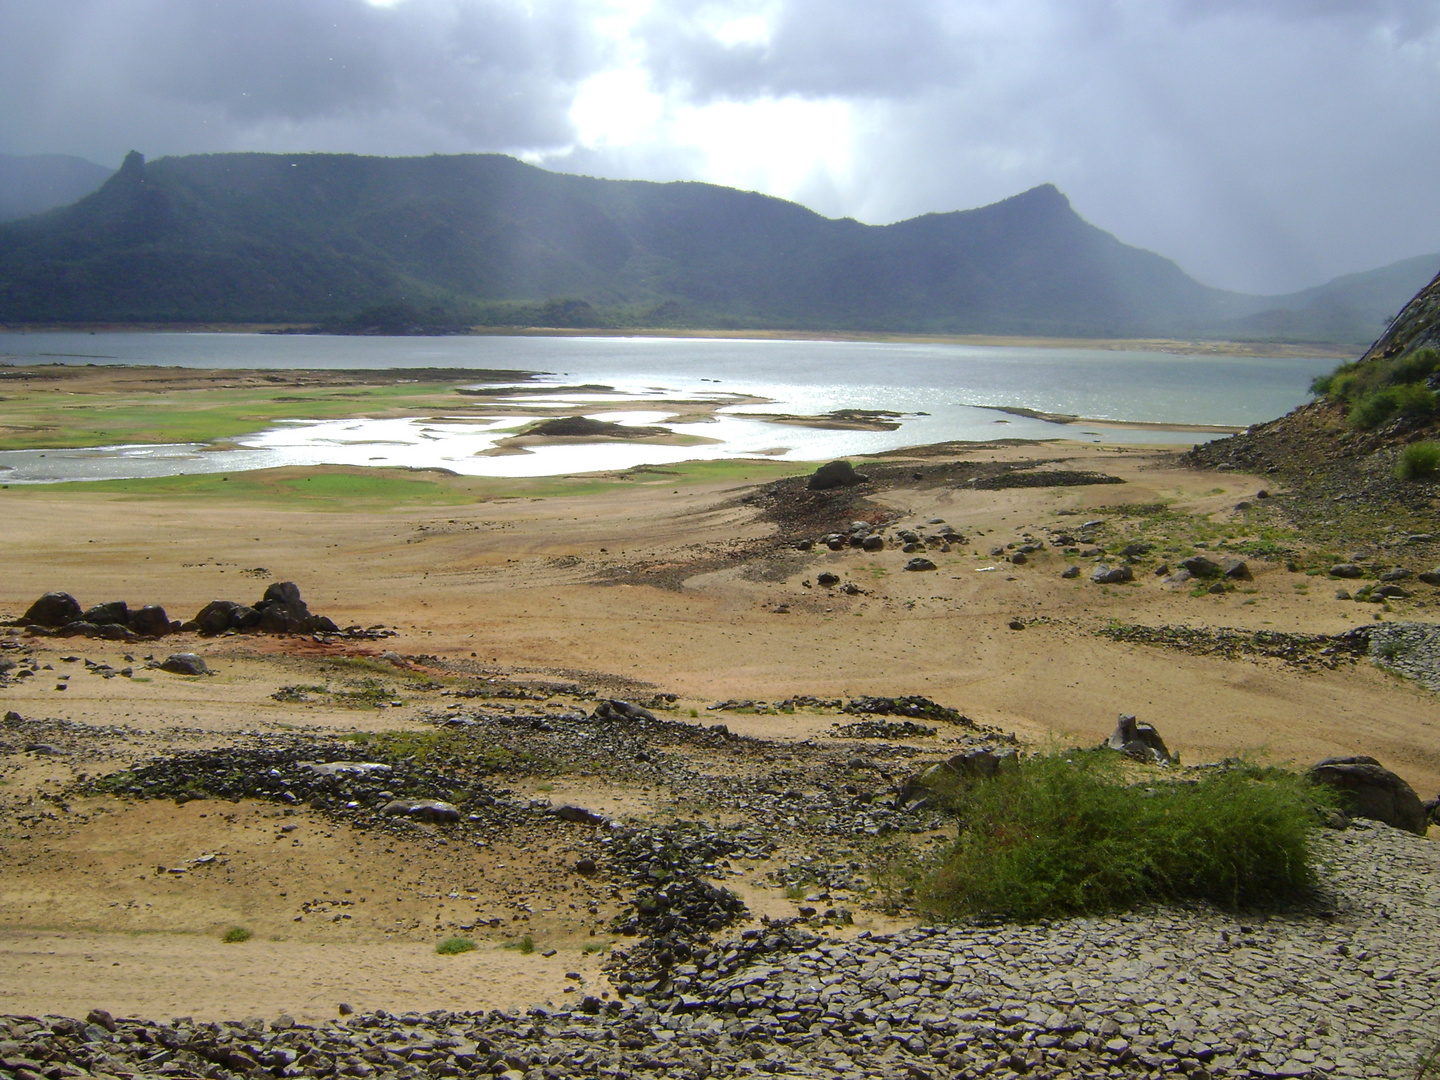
(489, 239)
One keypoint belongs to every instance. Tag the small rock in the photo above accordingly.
(432, 810)
(1346, 570)
(1070, 572)
(1201, 567)
(579, 815)
(184, 663)
(1016, 624)
(1104, 574)
(919, 563)
(827, 578)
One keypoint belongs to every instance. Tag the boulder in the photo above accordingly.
(624, 710)
(1140, 741)
(873, 542)
(150, 621)
(1235, 569)
(919, 563)
(836, 474)
(1070, 572)
(283, 612)
(1201, 567)
(1019, 558)
(216, 617)
(432, 810)
(1130, 551)
(579, 815)
(1370, 790)
(53, 609)
(1104, 574)
(1346, 570)
(827, 578)
(113, 611)
(184, 663)
(1430, 577)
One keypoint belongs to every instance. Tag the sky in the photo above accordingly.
(1264, 145)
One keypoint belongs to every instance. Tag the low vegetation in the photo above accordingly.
(1067, 835)
(452, 946)
(236, 934)
(1374, 392)
(1418, 461)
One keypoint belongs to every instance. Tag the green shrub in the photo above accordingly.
(453, 945)
(1380, 405)
(1379, 390)
(1064, 836)
(236, 934)
(1418, 461)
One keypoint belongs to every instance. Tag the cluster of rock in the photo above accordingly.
(60, 614)
(868, 536)
(279, 611)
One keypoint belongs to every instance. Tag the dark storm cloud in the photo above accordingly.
(1264, 144)
(187, 75)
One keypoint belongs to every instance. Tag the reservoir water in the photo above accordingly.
(943, 392)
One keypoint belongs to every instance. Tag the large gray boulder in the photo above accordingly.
(1370, 790)
(54, 609)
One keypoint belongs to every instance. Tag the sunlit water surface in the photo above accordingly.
(941, 391)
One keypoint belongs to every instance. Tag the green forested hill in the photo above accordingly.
(314, 237)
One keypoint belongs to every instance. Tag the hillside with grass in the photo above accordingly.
(1366, 450)
(438, 244)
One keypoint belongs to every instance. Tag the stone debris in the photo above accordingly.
(1339, 990)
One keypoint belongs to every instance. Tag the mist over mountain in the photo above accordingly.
(489, 239)
(32, 185)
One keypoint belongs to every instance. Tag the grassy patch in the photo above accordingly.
(1418, 461)
(451, 748)
(49, 418)
(452, 946)
(235, 935)
(1067, 836)
(525, 946)
(350, 488)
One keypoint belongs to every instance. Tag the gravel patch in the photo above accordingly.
(1343, 988)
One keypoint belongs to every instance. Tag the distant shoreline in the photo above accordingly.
(1271, 350)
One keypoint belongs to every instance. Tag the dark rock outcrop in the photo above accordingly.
(54, 609)
(835, 475)
(1369, 790)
